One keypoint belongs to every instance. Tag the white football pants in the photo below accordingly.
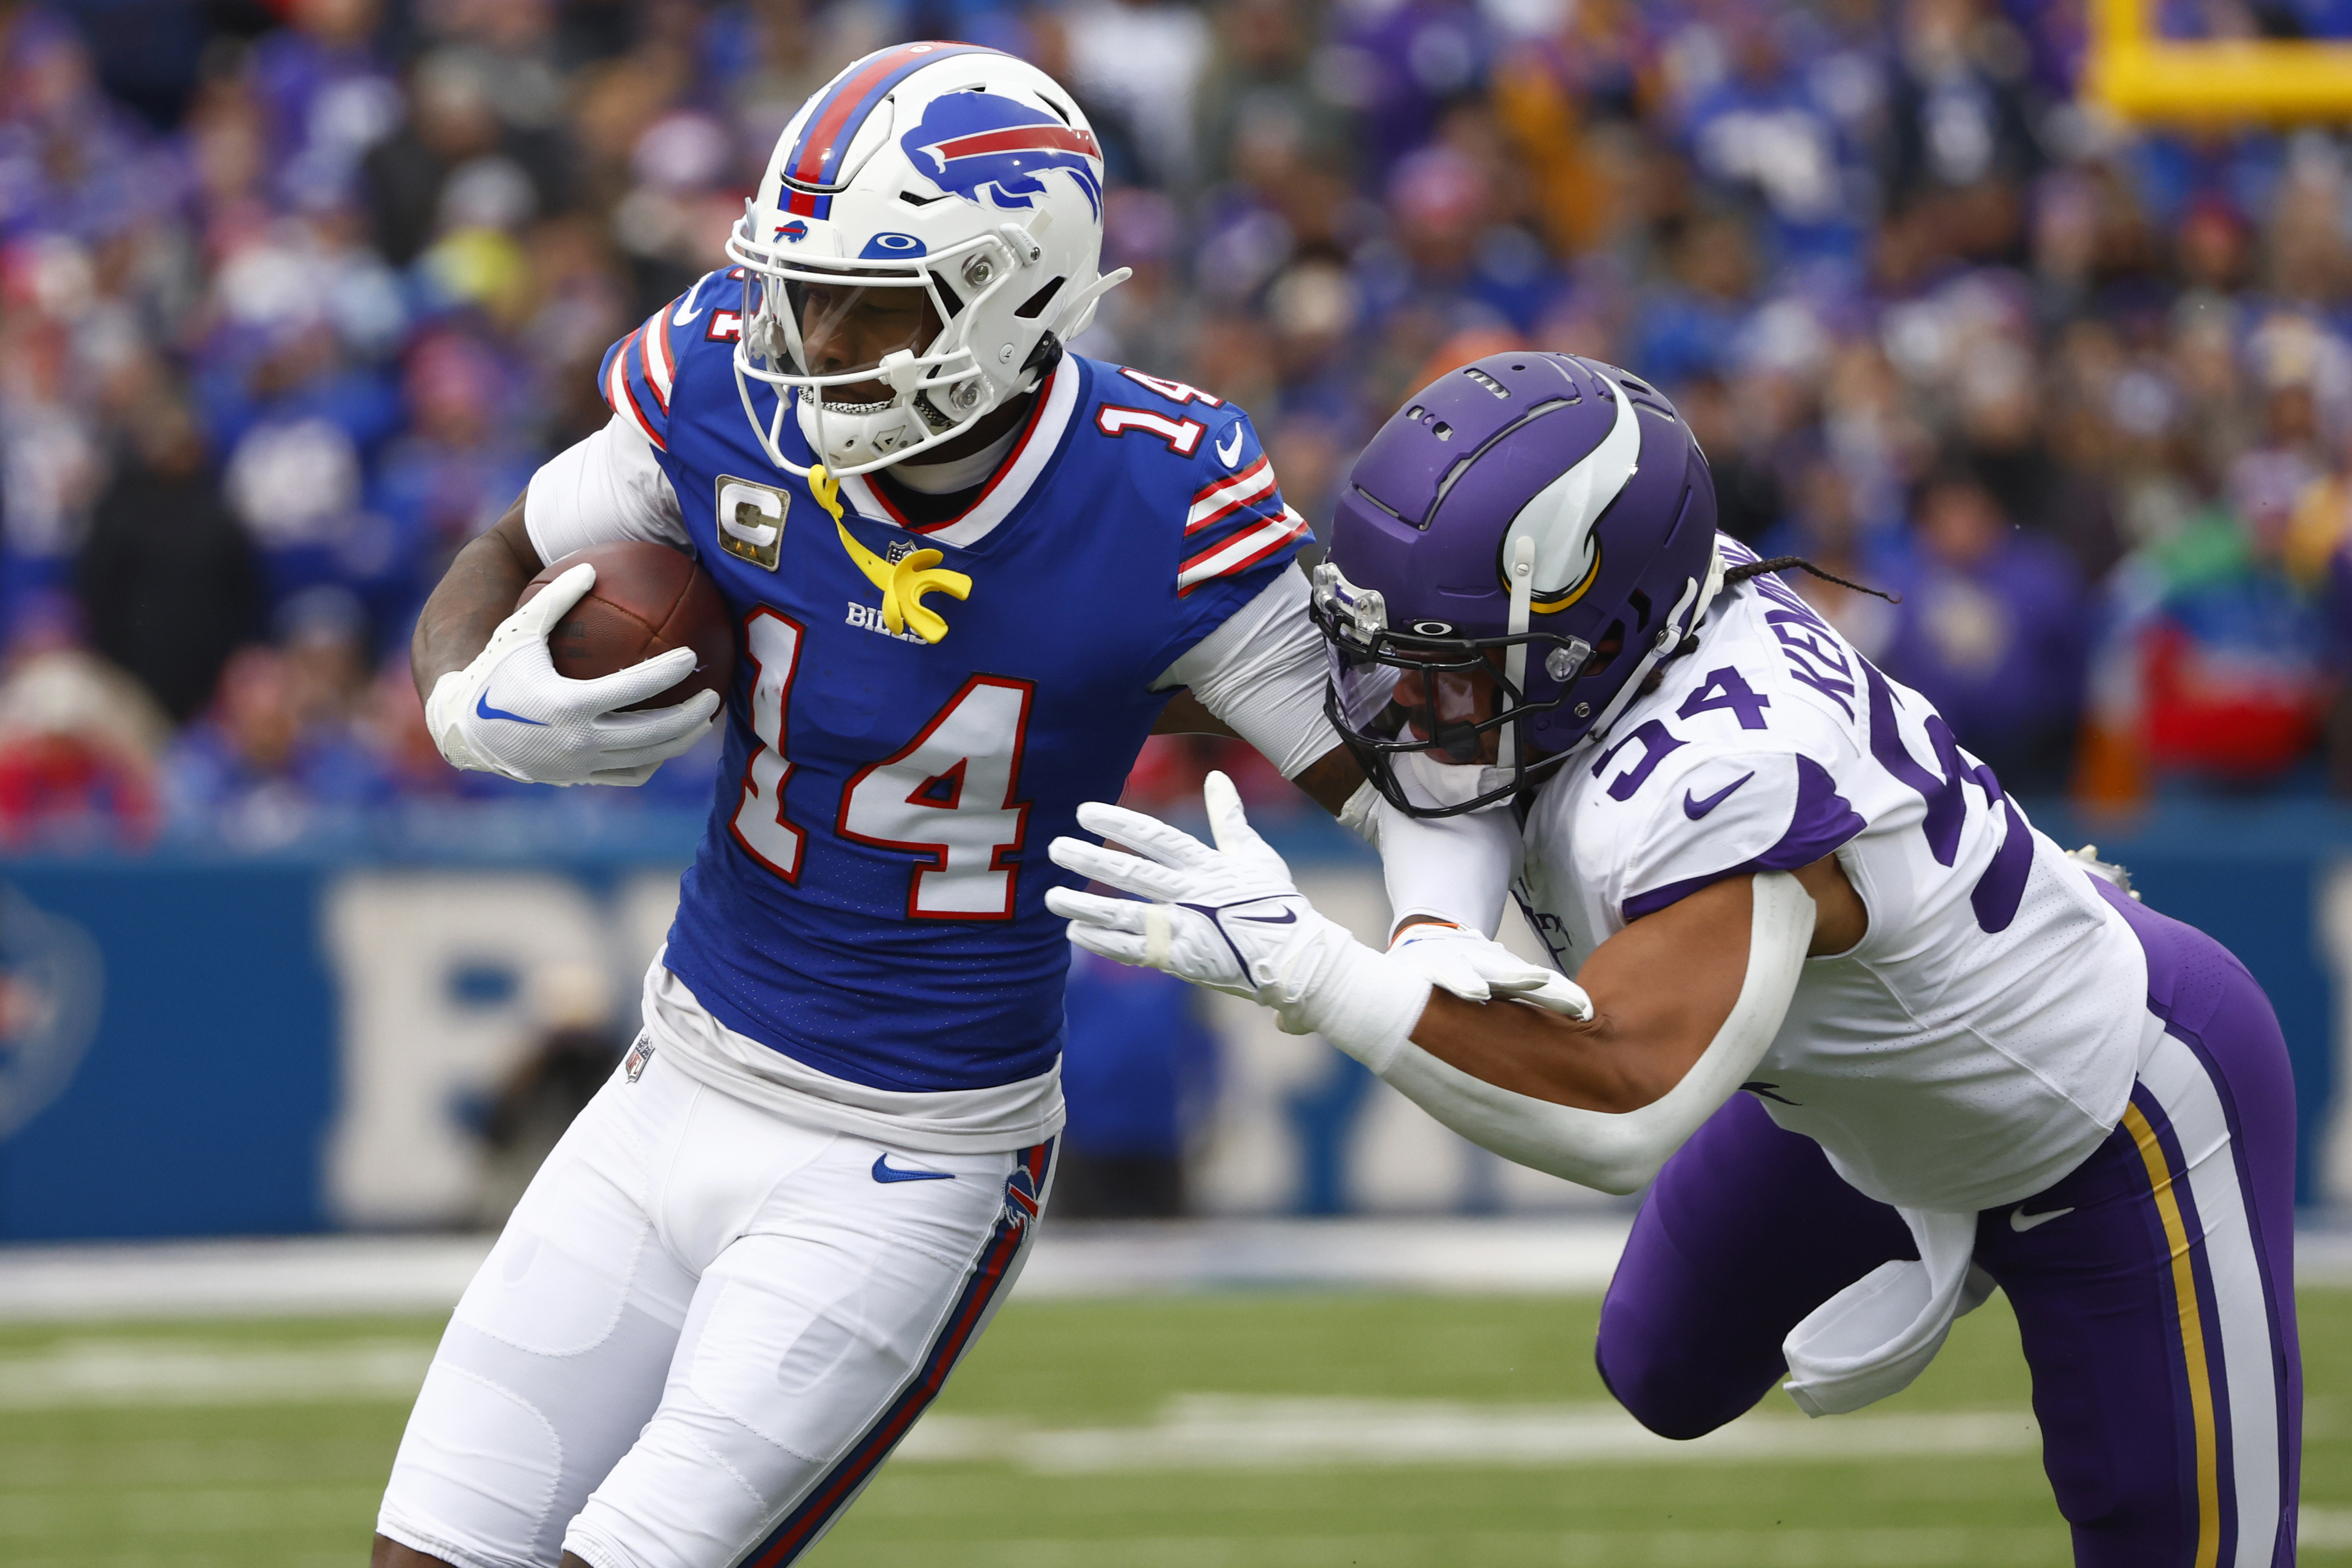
(702, 1331)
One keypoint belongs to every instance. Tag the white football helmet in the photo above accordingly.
(951, 176)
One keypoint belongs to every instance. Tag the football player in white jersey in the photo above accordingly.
(751, 1262)
(1880, 1045)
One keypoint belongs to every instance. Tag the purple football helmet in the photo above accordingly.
(1514, 552)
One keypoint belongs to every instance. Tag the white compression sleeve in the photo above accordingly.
(1263, 672)
(597, 491)
(1456, 869)
(1620, 1152)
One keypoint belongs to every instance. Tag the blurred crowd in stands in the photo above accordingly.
(295, 294)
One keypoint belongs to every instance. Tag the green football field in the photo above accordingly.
(1221, 1431)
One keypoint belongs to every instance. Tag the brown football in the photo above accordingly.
(647, 600)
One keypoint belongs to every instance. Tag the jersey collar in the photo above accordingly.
(1049, 420)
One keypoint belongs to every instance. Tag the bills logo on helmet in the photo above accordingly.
(1020, 1197)
(973, 142)
(794, 231)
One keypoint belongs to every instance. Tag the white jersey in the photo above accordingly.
(1981, 1040)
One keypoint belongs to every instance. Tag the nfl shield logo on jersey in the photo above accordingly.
(971, 141)
(642, 1052)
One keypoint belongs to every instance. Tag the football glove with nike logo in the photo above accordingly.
(509, 712)
(1232, 919)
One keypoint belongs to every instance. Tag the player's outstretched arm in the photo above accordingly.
(1683, 1003)
(493, 700)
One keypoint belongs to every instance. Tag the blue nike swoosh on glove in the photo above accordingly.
(1695, 809)
(883, 1171)
(1288, 917)
(482, 706)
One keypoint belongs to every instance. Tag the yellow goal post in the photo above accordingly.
(2140, 75)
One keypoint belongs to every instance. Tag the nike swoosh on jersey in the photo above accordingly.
(884, 1172)
(1226, 454)
(2022, 1222)
(482, 706)
(1695, 809)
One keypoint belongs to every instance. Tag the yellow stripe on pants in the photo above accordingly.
(2193, 1339)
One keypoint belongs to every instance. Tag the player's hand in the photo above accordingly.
(1478, 969)
(1230, 917)
(509, 712)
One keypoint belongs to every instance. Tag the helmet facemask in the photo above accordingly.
(917, 383)
(1438, 721)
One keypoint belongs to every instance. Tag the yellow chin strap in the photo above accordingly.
(903, 583)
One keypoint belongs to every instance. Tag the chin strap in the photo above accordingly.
(825, 488)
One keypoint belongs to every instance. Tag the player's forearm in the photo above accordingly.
(1495, 1082)
(473, 595)
(1593, 1065)
(1661, 990)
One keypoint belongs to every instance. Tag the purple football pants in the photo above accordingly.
(2153, 1285)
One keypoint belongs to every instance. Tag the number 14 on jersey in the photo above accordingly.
(946, 795)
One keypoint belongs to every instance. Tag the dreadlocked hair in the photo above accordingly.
(1743, 571)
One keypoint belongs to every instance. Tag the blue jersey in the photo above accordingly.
(869, 896)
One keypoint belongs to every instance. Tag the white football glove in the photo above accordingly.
(1478, 969)
(1232, 919)
(509, 712)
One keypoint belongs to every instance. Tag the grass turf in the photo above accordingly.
(152, 1469)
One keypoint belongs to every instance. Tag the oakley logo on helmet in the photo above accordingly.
(892, 247)
(971, 142)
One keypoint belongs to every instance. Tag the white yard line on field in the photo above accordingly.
(133, 1372)
(1191, 1431)
(1225, 1431)
(356, 1276)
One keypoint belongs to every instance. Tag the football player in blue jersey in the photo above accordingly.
(971, 571)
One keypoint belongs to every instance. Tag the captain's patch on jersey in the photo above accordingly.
(751, 520)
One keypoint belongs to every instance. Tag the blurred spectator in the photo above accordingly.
(2229, 657)
(327, 98)
(459, 470)
(77, 747)
(268, 760)
(168, 584)
(1139, 1072)
(1991, 631)
(1827, 531)
(1144, 58)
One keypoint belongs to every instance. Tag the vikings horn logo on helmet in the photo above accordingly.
(1563, 518)
(971, 142)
